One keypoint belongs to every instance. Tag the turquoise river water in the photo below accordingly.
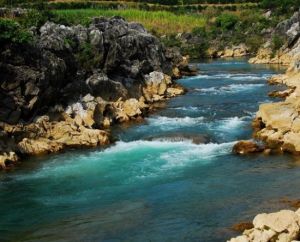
(155, 183)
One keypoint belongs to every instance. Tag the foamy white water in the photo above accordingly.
(232, 88)
(168, 123)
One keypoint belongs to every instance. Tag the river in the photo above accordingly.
(171, 178)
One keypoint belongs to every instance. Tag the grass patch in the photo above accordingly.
(160, 22)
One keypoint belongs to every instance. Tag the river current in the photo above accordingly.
(170, 178)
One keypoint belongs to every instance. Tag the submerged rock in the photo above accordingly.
(246, 147)
(179, 137)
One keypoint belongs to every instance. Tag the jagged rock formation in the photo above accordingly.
(71, 83)
(283, 226)
(289, 30)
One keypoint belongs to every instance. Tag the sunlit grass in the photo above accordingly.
(161, 22)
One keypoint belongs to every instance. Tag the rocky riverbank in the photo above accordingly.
(278, 125)
(71, 84)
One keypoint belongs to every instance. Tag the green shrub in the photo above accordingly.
(281, 6)
(227, 21)
(277, 43)
(254, 43)
(12, 32)
(88, 57)
(171, 41)
(196, 51)
(201, 31)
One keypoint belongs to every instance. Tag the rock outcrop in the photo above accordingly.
(288, 30)
(67, 87)
(282, 226)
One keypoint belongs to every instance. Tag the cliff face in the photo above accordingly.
(71, 83)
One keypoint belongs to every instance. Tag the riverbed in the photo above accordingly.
(170, 178)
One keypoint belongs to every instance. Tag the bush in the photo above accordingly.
(171, 41)
(277, 43)
(254, 43)
(196, 51)
(281, 6)
(201, 31)
(12, 32)
(88, 57)
(227, 21)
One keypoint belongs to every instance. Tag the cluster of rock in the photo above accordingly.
(282, 226)
(72, 83)
(288, 30)
(229, 51)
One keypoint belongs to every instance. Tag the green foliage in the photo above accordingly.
(12, 32)
(201, 31)
(88, 57)
(33, 18)
(277, 43)
(197, 50)
(281, 6)
(226, 21)
(254, 43)
(171, 41)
